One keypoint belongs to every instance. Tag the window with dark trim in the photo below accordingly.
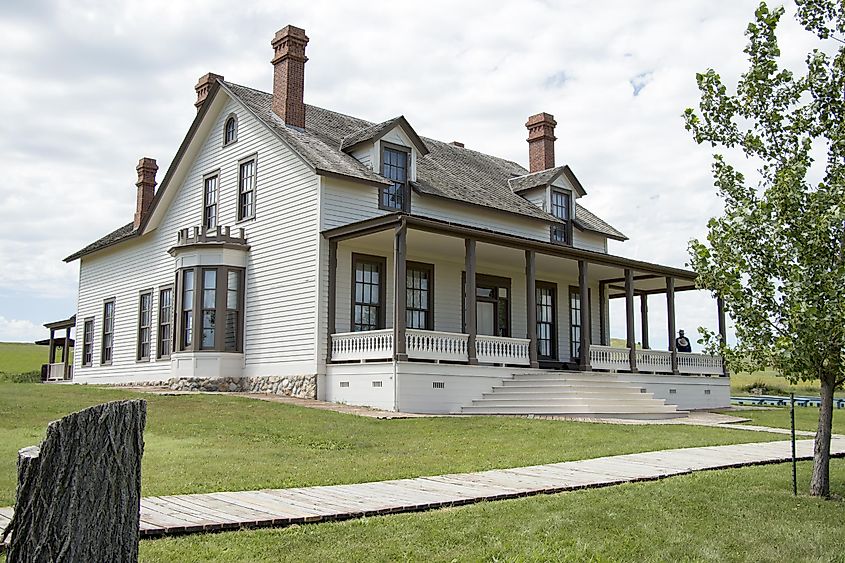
(368, 290)
(495, 291)
(561, 207)
(87, 343)
(107, 352)
(395, 162)
(165, 322)
(145, 325)
(575, 321)
(419, 296)
(209, 206)
(209, 296)
(546, 320)
(230, 130)
(246, 189)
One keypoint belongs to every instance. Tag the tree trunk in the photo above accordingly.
(820, 484)
(79, 493)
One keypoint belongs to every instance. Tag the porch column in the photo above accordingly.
(531, 301)
(670, 307)
(66, 352)
(469, 300)
(331, 315)
(723, 331)
(644, 319)
(584, 296)
(629, 319)
(602, 313)
(400, 288)
(52, 346)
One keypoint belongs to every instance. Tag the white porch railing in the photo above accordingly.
(704, 364)
(434, 345)
(657, 361)
(609, 358)
(368, 345)
(502, 350)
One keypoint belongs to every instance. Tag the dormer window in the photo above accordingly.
(395, 161)
(230, 130)
(561, 208)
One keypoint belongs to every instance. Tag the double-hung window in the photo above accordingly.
(87, 342)
(419, 297)
(209, 214)
(165, 322)
(108, 333)
(546, 322)
(213, 298)
(395, 162)
(209, 308)
(246, 189)
(368, 288)
(561, 207)
(145, 325)
(186, 338)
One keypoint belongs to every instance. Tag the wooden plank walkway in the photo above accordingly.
(184, 514)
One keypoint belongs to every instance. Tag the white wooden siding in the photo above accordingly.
(280, 305)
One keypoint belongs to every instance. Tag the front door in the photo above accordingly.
(485, 318)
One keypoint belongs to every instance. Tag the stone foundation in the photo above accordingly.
(301, 386)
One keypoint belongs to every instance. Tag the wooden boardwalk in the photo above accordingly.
(184, 514)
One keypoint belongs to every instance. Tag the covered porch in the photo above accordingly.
(475, 297)
(62, 369)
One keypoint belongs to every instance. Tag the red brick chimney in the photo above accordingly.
(146, 183)
(203, 86)
(541, 142)
(289, 75)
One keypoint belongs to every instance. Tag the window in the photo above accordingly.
(246, 190)
(394, 167)
(165, 322)
(209, 214)
(368, 287)
(577, 319)
(108, 333)
(561, 208)
(187, 336)
(87, 343)
(230, 131)
(145, 325)
(419, 284)
(220, 297)
(546, 320)
(209, 308)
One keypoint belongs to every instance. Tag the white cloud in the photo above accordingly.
(16, 330)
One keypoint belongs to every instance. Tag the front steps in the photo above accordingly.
(576, 394)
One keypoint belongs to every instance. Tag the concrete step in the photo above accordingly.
(567, 401)
(568, 391)
(580, 384)
(616, 410)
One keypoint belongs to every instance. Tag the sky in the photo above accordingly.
(89, 87)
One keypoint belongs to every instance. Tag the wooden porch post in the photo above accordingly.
(400, 288)
(644, 319)
(670, 307)
(629, 319)
(66, 352)
(602, 313)
(723, 331)
(52, 346)
(469, 300)
(531, 304)
(331, 315)
(586, 328)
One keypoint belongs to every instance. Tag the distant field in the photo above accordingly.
(18, 358)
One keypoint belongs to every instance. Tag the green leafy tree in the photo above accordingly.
(777, 254)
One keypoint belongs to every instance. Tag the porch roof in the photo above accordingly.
(653, 273)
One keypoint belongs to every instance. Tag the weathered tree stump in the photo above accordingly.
(79, 493)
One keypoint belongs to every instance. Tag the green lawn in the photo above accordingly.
(806, 418)
(18, 358)
(730, 515)
(773, 384)
(202, 443)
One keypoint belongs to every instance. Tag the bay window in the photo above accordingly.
(219, 297)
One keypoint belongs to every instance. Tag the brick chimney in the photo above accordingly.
(146, 184)
(203, 86)
(541, 142)
(289, 75)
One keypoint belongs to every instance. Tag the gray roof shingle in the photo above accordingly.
(114, 237)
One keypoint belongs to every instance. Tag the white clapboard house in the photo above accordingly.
(282, 233)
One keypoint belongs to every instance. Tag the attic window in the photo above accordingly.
(561, 208)
(395, 161)
(230, 130)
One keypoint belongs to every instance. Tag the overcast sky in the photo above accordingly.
(88, 87)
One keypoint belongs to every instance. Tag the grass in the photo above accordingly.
(806, 418)
(203, 443)
(21, 362)
(730, 515)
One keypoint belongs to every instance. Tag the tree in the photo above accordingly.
(777, 254)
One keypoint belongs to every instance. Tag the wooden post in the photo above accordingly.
(584, 296)
(331, 315)
(670, 308)
(531, 305)
(52, 346)
(603, 340)
(66, 353)
(400, 269)
(629, 319)
(644, 319)
(723, 330)
(469, 300)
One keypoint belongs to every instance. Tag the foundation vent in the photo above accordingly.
(376, 383)
(707, 391)
(672, 391)
(438, 385)
(643, 390)
(344, 384)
